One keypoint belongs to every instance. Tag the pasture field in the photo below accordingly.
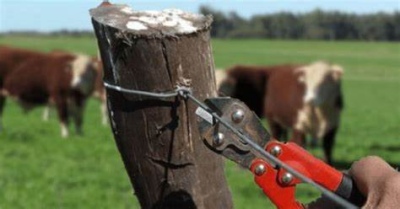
(39, 169)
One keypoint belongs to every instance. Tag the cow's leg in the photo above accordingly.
(62, 110)
(299, 138)
(277, 131)
(46, 113)
(64, 129)
(78, 119)
(47, 110)
(103, 110)
(2, 103)
(329, 140)
(77, 106)
(314, 140)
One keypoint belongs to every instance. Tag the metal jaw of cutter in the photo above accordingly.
(220, 125)
(221, 140)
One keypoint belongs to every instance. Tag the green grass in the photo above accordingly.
(38, 169)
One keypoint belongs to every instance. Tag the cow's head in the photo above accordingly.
(220, 76)
(322, 82)
(83, 74)
(245, 83)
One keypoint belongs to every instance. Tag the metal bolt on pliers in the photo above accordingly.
(225, 116)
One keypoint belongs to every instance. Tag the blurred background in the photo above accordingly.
(39, 169)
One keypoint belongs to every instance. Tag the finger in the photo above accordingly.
(377, 180)
(370, 171)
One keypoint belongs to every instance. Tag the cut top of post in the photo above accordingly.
(169, 22)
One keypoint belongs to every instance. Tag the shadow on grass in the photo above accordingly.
(342, 165)
(389, 148)
(345, 165)
(19, 136)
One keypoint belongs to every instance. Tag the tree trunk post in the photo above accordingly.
(167, 162)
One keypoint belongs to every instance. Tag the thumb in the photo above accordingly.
(378, 181)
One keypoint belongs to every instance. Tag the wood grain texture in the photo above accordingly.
(159, 142)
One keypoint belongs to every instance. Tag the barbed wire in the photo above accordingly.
(186, 93)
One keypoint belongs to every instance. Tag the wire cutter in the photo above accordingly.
(277, 183)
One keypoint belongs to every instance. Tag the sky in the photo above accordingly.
(51, 15)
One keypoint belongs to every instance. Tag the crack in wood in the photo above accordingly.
(169, 165)
(165, 55)
(189, 130)
(161, 154)
(173, 124)
(126, 39)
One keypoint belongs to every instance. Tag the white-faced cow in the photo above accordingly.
(98, 92)
(61, 80)
(306, 99)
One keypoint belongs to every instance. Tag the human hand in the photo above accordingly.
(376, 180)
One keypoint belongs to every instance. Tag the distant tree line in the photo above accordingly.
(318, 24)
(59, 33)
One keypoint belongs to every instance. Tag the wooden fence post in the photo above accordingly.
(168, 164)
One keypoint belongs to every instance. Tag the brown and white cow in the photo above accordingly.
(10, 59)
(306, 99)
(98, 92)
(61, 80)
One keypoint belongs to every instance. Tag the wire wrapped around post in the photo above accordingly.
(157, 137)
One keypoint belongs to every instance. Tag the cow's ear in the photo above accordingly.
(337, 72)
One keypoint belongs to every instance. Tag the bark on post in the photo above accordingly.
(168, 164)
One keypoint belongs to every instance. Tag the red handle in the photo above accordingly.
(314, 168)
(283, 197)
(280, 186)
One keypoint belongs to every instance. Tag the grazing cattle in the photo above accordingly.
(10, 59)
(306, 99)
(98, 93)
(63, 80)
